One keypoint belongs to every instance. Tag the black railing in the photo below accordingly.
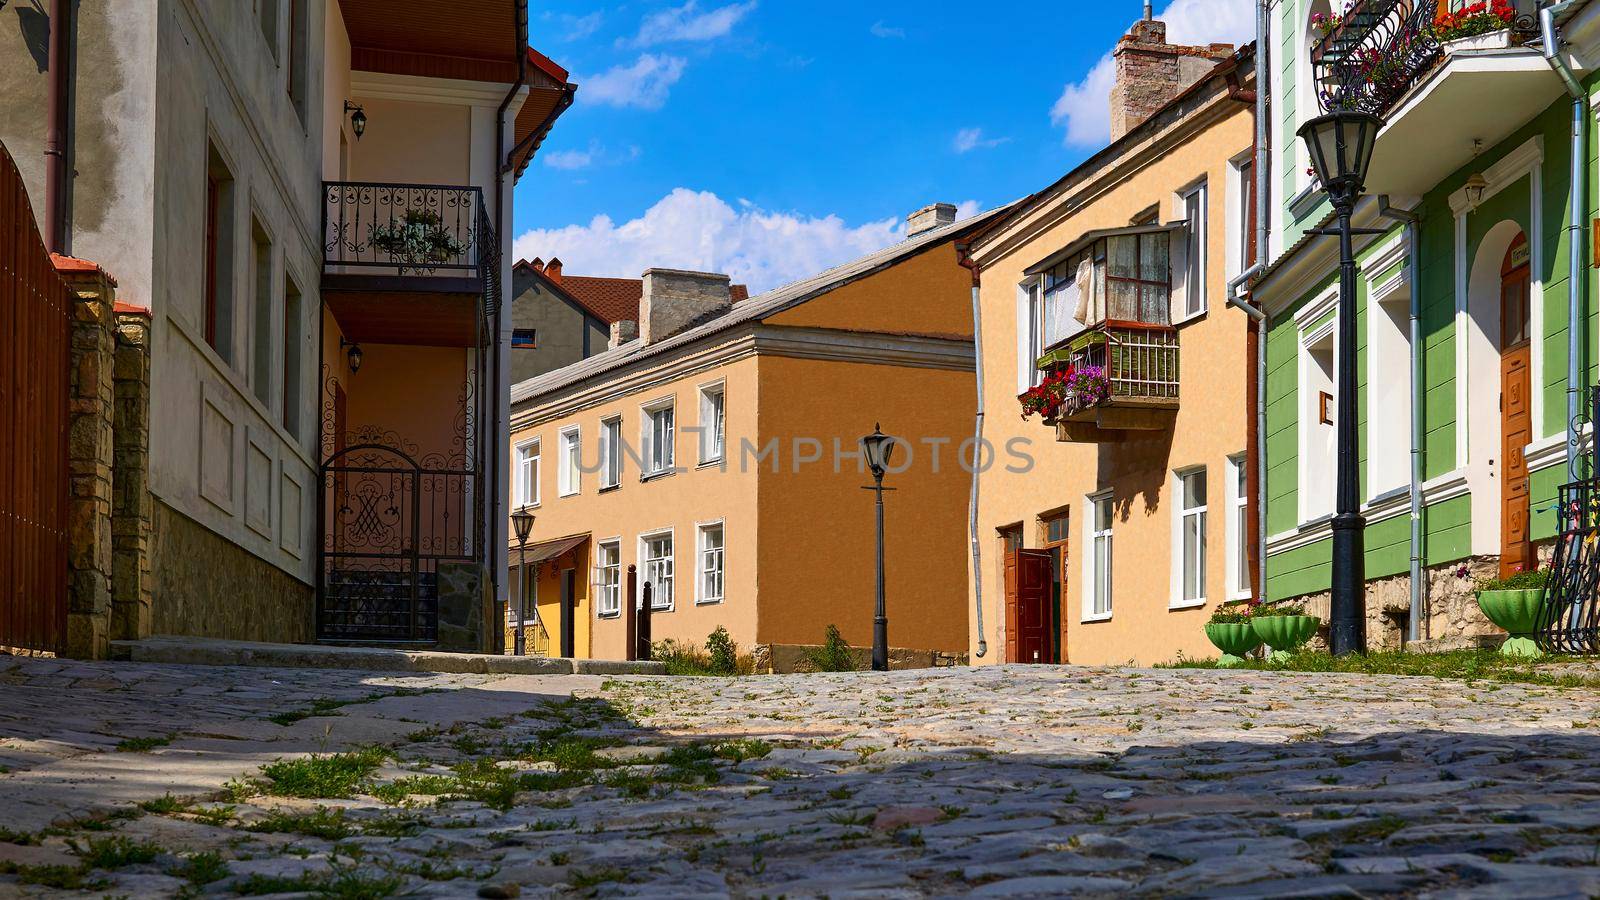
(408, 228)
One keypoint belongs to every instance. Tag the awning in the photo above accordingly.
(549, 549)
(1077, 246)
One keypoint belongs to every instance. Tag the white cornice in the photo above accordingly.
(1437, 490)
(1315, 260)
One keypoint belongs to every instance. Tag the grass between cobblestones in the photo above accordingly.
(1467, 665)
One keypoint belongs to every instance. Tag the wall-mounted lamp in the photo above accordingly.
(358, 118)
(1474, 187)
(354, 354)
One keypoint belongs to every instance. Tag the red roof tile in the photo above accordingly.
(614, 299)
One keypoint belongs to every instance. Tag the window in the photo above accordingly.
(299, 61)
(1388, 412)
(524, 338)
(268, 12)
(656, 550)
(608, 578)
(527, 474)
(1317, 461)
(218, 316)
(1239, 527)
(1246, 213)
(1191, 543)
(1194, 213)
(261, 362)
(708, 586)
(1097, 599)
(658, 438)
(294, 338)
(712, 423)
(610, 452)
(1031, 332)
(571, 449)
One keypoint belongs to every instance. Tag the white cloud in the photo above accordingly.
(880, 30)
(699, 230)
(596, 154)
(1083, 108)
(688, 23)
(969, 139)
(643, 85)
(569, 159)
(579, 27)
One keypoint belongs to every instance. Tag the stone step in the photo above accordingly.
(216, 652)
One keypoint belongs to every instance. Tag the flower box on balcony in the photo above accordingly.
(1494, 40)
(1132, 381)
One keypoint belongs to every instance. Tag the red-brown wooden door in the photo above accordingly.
(1516, 411)
(1028, 632)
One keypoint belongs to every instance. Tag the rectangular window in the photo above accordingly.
(1247, 214)
(610, 452)
(1239, 528)
(658, 440)
(1101, 513)
(1035, 331)
(527, 474)
(218, 315)
(294, 338)
(261, 363)
(524, 338)
(299, 61)
(656, 550)
(571, 449)
(1191, 538)
(1194, 213)
(608, 578)
(712, 423)
(708, 587)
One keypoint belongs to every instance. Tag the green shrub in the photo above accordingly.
(317, 777)
(724, 652)
(1534, 578)
(834, 655)
(115, 852)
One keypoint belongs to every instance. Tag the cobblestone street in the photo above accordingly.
(147, 780)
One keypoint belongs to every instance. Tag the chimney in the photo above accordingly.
(552, 270)
(537, 264)
(1151, 72)
(929, 217)
(675, 301)
(622, 332)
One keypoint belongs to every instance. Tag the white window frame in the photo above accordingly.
(1238, 528)
(1315, 472)
(523, 483)
(1237, 213)
(1030, 331)
(645, 562)
(1091, 573)
(610, 452)
(1195, 300)
(657, 462)
(701, 595)
(1181, 558)
(608, 594)
(570, 451)
(713, 422)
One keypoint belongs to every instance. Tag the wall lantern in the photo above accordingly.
(354, 354)
(358, 118)
(1475, 186)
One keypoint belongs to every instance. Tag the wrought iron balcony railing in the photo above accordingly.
(407, 228)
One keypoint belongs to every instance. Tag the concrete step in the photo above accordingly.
(214, 652)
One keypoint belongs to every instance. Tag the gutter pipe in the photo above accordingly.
(1575, 202)
(58, 127)
(1411, 220)
(965, 258)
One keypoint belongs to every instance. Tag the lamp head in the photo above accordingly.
(358, 118)
(1340, 145)
(522, 521)
(878, 448)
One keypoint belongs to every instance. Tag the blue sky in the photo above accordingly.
(772, 138)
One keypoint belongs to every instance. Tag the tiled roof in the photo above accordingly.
(613, 299)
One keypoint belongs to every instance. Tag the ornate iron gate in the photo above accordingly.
(1569, 614)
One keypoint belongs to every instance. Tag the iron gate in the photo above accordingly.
(389, 523)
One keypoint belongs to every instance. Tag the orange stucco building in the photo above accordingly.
(716, 451)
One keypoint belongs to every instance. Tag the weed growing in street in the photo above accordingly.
(316, 777)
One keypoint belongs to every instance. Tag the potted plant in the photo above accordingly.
(1045, 398)
(1283, 627)
(1230, 632)
(418, 240)
(1083, 388)
(1513, 603)
(1477, 26)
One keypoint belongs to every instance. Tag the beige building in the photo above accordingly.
(1125, 518)
(714, 452)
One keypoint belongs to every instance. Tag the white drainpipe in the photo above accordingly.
(1575, 200)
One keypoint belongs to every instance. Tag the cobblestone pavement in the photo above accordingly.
(995, 782)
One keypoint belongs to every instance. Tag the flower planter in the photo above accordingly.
(1284, 634)
(1494, 40)
(1517, 611)
(1234, 639)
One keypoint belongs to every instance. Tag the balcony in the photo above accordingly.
(1130, 381)
(409, 263)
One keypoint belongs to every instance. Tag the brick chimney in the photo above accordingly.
(622, 332)
(675, 300)
(1152, 72)
(552, 270)
(929, 217)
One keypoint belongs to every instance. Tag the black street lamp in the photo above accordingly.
(1340, 144)
(522, 521)
(877, 447)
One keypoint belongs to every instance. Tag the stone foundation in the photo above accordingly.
(462, 600)
(89, 459)
(131, 502)
(207, 586)
(786, 658)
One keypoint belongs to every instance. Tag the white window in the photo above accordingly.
(1036, 330)
(1388, 411)
(1318, 411)
(608, 578)
(1190, 546)
(712, 422)
(610, 452)
(708, 584)
(658, 433)
(527, 474)
(1097, 574)
(1194, 213)
(571, 456)
(656, 551)
(1238, 528)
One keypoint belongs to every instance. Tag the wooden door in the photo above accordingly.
(1516, 413)
(1034, 641)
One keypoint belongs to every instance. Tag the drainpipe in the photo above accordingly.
(964, 257)
(58, 127)
(1411, 220)
(1575, 200)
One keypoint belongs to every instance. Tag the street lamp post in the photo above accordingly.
(877, 447)
(522, 521)
(1340, 145)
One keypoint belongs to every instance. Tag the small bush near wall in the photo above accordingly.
(720, 656)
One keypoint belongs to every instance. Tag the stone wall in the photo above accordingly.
(130, 478)
(463, 598)
(89, 459)
(786, 658)
(208, 586)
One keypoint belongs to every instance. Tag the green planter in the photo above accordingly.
(1284, 634)
(1234, 639)
(1517, 611)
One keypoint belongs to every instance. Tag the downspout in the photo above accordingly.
(1411, 220)
(58, 127)
(1575, 202)
(963, 255)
